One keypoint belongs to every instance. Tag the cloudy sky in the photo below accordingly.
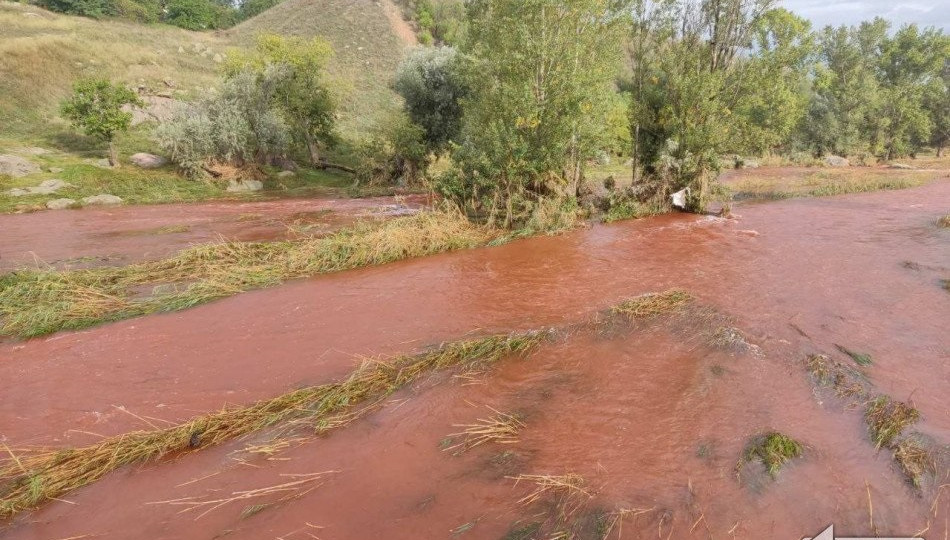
(923, 12)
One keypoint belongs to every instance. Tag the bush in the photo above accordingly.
(430, 83)
(86, 8)
(396, 153)
(190, 14)
(235, 125)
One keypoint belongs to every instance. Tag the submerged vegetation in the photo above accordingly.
(861, 359)
(30, 478)
(651, 304)
(37, 302)
(887, 418)
(773, 450)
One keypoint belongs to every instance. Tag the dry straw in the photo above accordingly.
(30, 478)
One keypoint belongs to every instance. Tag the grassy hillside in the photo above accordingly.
(366, 46)
(42, 53)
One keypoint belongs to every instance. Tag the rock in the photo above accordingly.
(60, 204)
(245, 186)
(169, 83)
(218, 58)
(837, 161)
(56, 170)
(47, 187)
(102, 198)
(148, 161)
(32, 150)
(285, 174)
(16, 166)
(181, 50)
(101, 163)
(158, 108)
(901, 166)
(750, 164)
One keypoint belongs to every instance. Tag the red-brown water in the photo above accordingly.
(127, 234)
(648, 420)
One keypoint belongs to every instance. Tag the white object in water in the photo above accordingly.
(679, 198)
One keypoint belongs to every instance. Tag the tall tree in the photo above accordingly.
(541, 75)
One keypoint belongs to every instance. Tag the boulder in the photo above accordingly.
(901, 166)
(837, 161)
(16, 166)
(148, 161)
(245, 186)
(102, 198)
(60, 204)
(285, 174)
(750, 164)
(56, 170)
(46, 187)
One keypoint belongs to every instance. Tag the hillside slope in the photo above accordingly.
(368, 42)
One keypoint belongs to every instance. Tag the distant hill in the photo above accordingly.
(369, 40)
(42, 53)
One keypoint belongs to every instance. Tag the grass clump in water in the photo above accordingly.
(38, 302)
(944, 221)
(887, 418)
(846, 381)
(29, 479)
(861, 359)
(915, 460)
(773, 450)
(651, 305)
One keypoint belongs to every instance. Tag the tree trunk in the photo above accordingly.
(314, 151)
(113, 154)
(940, 151)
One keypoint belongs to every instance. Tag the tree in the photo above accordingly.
(190, 14)
(937, 103)
(238, 124)
(95, 107)
(302, 96)
(86, 8)
(430, 82)
(694, 78)
(540, 74)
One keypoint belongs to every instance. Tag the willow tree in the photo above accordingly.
(693, 56)
(541, 77)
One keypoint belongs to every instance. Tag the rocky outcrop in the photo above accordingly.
(148, 161)
(103, 199)
(17, 166)
(46, 187)
(837, 161)
(60, 204)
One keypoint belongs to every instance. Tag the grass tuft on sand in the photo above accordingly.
(30, 478)
(861, 359)
(886, 419)
(38, 302)
(773, 449)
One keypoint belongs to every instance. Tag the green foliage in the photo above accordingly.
(237, 124)
(440, 22)
(86, 8)
(190, 14)
(541, 76)
(774, 450)
(95, 107)
(688, 88)
(395, 152)
(302, 95)
(430, 82)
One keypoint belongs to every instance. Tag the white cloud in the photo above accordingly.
(821, 13)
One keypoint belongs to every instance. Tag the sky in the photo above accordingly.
(824, 12)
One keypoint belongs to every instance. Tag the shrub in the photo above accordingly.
(236, 125)
(95, 107)
(430, 82)
(190, 14)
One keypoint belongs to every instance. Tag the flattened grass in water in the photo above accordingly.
(37, 302)
(887, 418)
(30, 479)
(652, 304)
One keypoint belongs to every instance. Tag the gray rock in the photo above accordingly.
(285, 174)
(218, 58)
(750, 164)
(32, 150)
(245, 186)
(56, 170)
(837, 161)
(46, 187)
(901, 166)
(148, 161)
(60, 204)
(16, 166)
(102, 198)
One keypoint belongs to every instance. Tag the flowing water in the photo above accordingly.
(127, 234)
(652, 418)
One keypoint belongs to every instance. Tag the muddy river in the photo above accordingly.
(121, 235)
(652, 420)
